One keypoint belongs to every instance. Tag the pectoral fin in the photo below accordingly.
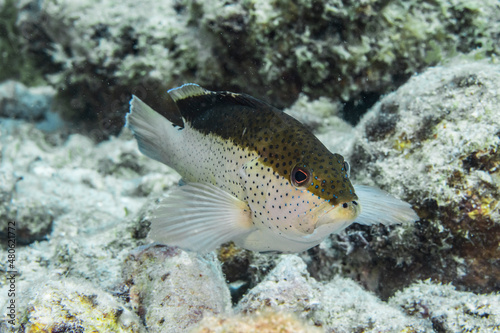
(378, 206)
(200, 217)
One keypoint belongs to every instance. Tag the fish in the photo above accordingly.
(251, 174)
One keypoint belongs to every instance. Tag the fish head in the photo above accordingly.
(327, 195)
(308, 195)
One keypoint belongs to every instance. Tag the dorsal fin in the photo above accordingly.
(186, 91)
(192, 100)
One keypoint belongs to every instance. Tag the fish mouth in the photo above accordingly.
(327, 219)
(342, 213)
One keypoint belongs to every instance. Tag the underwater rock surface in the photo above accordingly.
(95, 53)
(435, 143)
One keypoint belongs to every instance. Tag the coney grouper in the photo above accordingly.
(252, 174)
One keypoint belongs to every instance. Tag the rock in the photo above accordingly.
(353, 52)
(450, 310)
(98, 198)
(76, 306)
(79, 222)
(435, 143)
(337, 306)
(18, 101)
(173, 289)
(267, 322)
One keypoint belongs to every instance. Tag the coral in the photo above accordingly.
(172, 289)
(433, 142)
(99, 197)
(102, 52)
(97, 53)
(76, 306)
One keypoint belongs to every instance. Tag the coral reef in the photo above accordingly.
(82, 205)
(57, 190)
(433, 142)
(96, 53)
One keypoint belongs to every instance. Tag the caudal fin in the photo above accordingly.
(378, 206)
(150, 129)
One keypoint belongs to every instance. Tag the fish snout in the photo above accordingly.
(349, 210)
(344, 212)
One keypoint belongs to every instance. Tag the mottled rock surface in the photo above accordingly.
(266, 322)
(79, 219)
(435, 143)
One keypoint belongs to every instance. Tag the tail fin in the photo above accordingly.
(150, 129)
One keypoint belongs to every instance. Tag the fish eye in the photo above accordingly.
(347, 168)
(300, 176)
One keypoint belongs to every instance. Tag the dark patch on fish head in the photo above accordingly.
(306, 163)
